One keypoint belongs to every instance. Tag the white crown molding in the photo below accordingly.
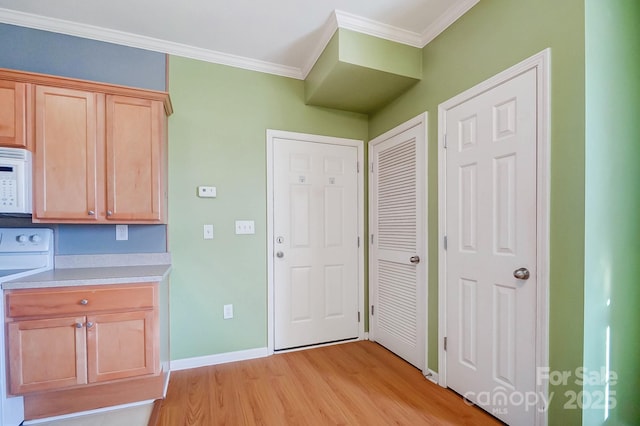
(338, 19)
(329, 28)
(348, 21)
(451, 15)
(142, 42)
(352, 22)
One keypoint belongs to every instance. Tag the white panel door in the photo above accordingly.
(491, 235)
(315, 190)
(397, 251)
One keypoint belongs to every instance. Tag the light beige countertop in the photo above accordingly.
(98, 270)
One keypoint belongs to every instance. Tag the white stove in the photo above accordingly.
(23, 251)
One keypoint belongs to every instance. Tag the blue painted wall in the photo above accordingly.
(44, 52)
(101, 239)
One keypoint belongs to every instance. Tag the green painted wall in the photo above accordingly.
(217, 136)
(380, 54)
(362, 73)
(612, 227)
(491, 37)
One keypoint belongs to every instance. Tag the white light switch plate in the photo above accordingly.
(227, 312)
(245, 227)
(208, 232)
(207, 191)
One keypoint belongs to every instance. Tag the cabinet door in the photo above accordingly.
(66, 173)
(13, 114)
(46, 354)
(122, 345)
(135, 139)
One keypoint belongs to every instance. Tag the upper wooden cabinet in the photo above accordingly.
(66, 172)
(100, 150)
(135, 159)
(13, 114)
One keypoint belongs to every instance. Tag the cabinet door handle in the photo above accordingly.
(91, 213)
(84, 302)
(89, 324)
(78, 325)
(109, 212)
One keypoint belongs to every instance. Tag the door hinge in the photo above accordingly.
(358, 316)
(445, 242)
(371, 310)
(357, 167)
(371, 238)
(445, 141)
(445, 343)
(358, 242)
(372, 167)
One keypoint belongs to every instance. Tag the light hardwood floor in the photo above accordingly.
(358, 383)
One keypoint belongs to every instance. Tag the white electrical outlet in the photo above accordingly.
(245, 227)
(207, 191)
(122, 232)
(227, 312)
(208, 232)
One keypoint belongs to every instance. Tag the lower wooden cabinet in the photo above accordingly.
(46, 354)
(74, 337)
(121, 345)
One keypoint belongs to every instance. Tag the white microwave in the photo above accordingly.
(15, 180)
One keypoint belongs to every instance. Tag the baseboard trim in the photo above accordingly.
(167, 377)
(432, 376)
(223, 358)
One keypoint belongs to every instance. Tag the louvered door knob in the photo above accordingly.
(414, 259)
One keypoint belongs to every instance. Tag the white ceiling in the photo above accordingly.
(282, 37)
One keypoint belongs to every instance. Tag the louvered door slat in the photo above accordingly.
(397, 197)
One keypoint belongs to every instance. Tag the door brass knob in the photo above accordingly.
(414, 259)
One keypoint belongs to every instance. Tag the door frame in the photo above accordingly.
(305, 137)
(541, 64)
(420, 121)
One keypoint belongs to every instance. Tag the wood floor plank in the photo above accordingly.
(358, 383)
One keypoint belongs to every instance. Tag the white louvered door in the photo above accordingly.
(398, 255)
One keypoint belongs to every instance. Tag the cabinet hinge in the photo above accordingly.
(445, 141)
(445, 343)
(445, 242)
(371, 310)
